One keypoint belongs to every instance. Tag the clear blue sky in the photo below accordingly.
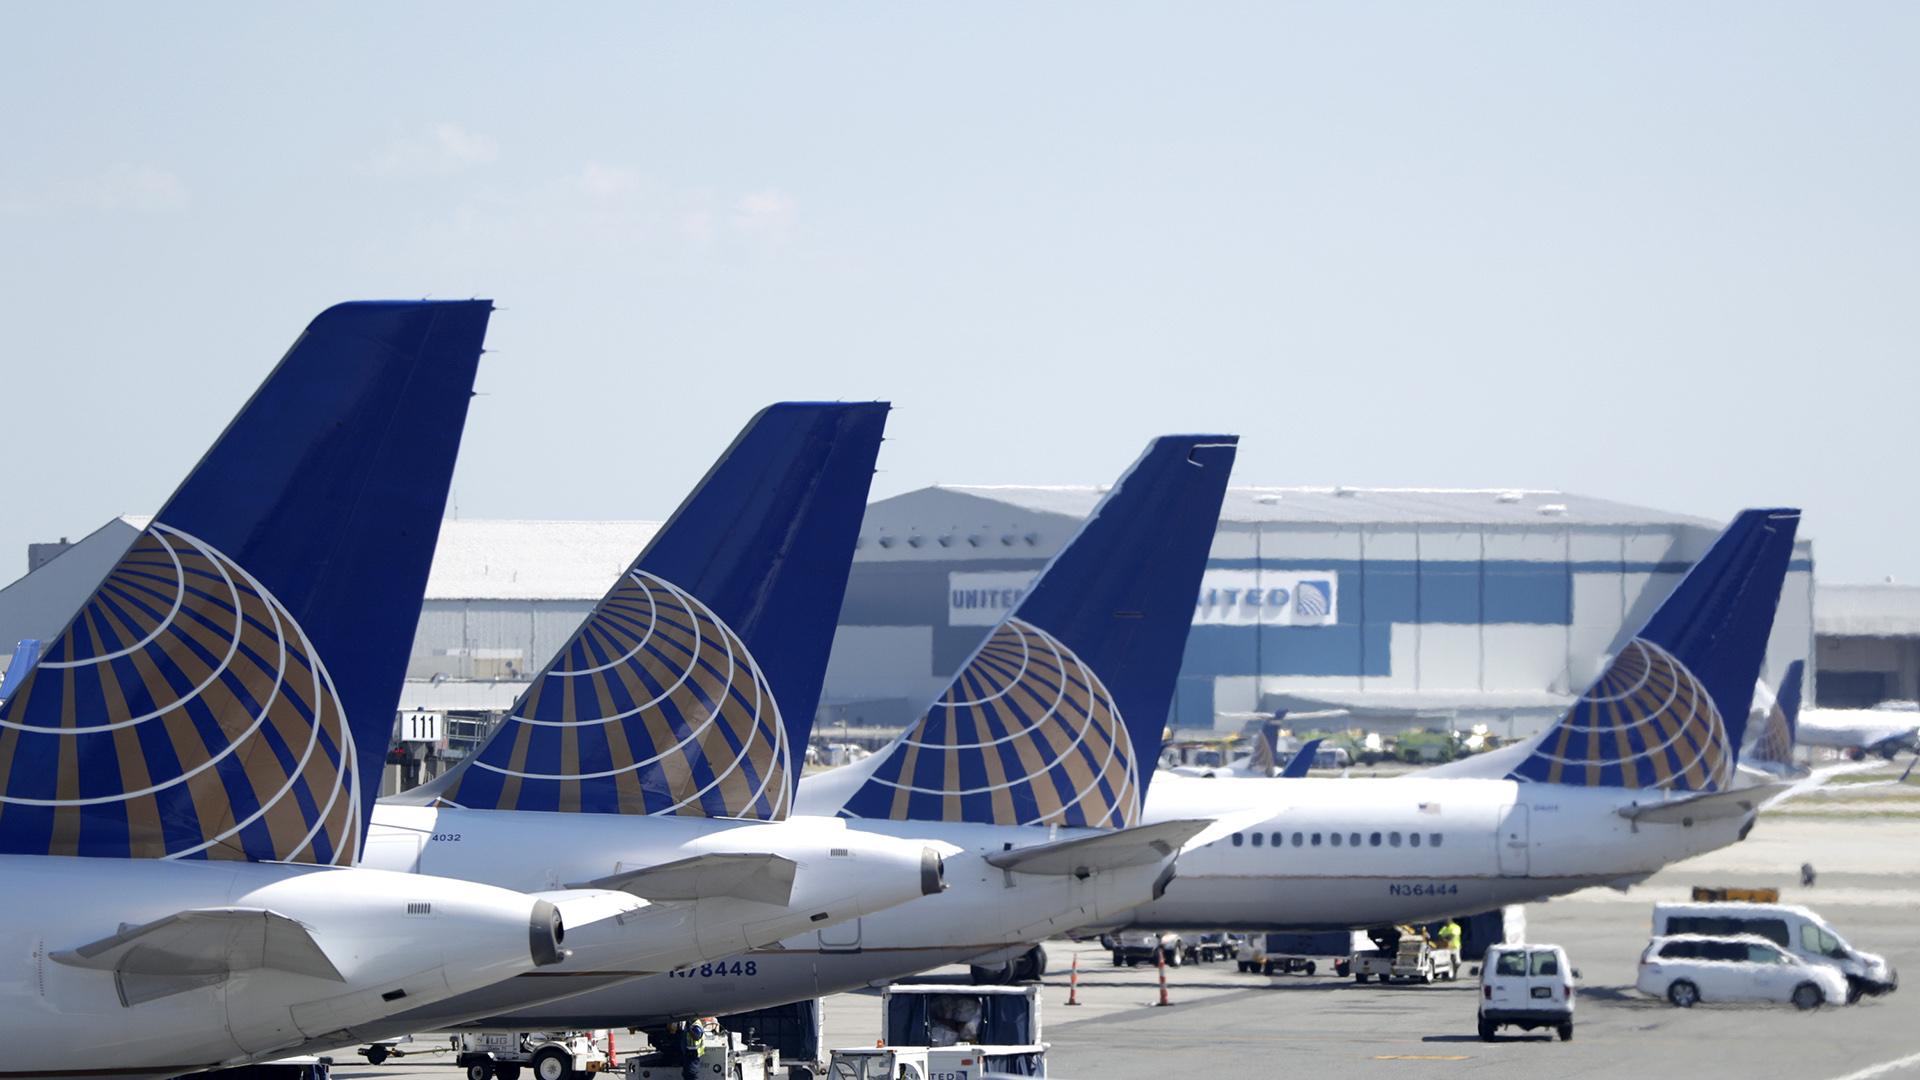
(1664, 253)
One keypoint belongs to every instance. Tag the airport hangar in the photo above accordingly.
(1408, 608)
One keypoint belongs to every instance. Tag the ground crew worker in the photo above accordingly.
(1450, 935)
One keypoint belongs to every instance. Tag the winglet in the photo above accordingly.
(1302, 760)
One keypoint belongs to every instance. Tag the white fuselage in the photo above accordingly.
(392, 938)
(842, 872)
(1343, 854)
(984, 910)
(1879, 730)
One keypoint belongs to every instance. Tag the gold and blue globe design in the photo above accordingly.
(1026, 734)
(1646, 723)
(654, 707)
(182, 714)
(1775, 741)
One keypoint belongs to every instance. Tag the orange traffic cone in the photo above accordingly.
(1073, 982)
(1160, 959)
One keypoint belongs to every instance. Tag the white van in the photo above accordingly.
(1692, 968)
(1796, 929)
(1527, 986)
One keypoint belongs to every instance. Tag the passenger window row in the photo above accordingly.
(1307, 839)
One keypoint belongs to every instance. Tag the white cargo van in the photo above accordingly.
(1796, 929)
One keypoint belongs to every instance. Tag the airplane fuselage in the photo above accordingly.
(391, 937)
(1356, 853)
(983, 910)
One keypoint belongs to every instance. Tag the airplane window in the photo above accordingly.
(1316, 839)
(1354, 839)
(1374, 840)
(1393, 839)
(1414, 839)
(1278, 839)
(1336, 839)
(1238, 839)
(1434, 840)
(1299, 840)
(1258, 838)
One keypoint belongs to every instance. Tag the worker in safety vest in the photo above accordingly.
(1450, 935)
(692, 1039)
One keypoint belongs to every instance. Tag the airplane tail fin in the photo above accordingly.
(1057, 718)
(1774, 743)
(228, 691)
(1670, 710)
(670, 698)
(1265, 755)
(1302, 760)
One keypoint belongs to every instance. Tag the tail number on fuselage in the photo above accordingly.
(708, 971)
(1423, 888)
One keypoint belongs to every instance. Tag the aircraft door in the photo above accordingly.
(841, 937)
(1514, 841)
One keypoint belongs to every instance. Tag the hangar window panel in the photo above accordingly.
(1450, 593)
(1524, 592)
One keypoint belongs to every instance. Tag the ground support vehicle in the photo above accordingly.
(545, 1055)
(1418, 960)
(1292, 953)
(949, 1032)
(1207, 948)
(1132, 948)
(1798, 930)
(1526, 986)
(1688, 969)
(725, 1056)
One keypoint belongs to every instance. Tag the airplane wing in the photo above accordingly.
(1116, 850)
(1707, 806)
(766, 878)
(201, 947)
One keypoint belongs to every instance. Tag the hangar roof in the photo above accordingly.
(1867, 610)
(1353, 506)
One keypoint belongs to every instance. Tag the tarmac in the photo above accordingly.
(1223, 1023)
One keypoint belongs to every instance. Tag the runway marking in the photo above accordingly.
(1883, 1068)
(1429, 1057)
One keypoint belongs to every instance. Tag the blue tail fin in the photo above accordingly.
(1058, 717)
(669, 698)
(1670, 710)
(26, 653)
(1773, 745)
(229, 690)
(1302, 760)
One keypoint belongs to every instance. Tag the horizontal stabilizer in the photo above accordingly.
(743, 876)
(1708, 806)
(201, 947)
(1117, 850)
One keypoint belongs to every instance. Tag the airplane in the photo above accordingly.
(1639, 773)
(1771, 752)
(1264, 759)
(649, 754)
(1029, 769)
(186, 770)
(1889, 730)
